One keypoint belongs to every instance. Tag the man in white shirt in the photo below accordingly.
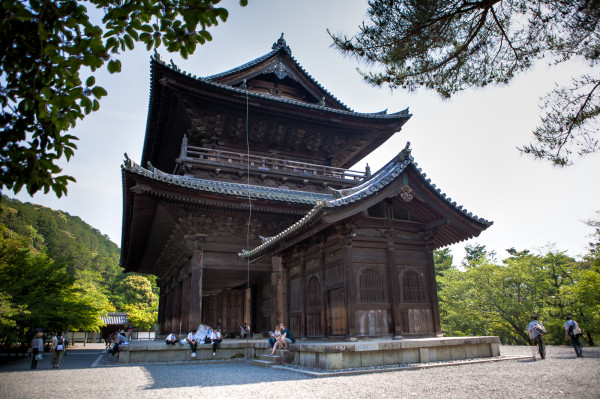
(573, 332)
(172, 338)
(192, 339)
(536, 329)
(215, 338)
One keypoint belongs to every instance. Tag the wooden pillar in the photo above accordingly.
(169, 311)
(185, 303)
(248, 308)
(431, 283)
(303, 321)
(161, 310)
(349, 286)
(393, 288)
(177, 306)
(277, 290)
(324, 284)
(195, 295)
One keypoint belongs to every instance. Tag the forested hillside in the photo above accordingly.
(57, 272)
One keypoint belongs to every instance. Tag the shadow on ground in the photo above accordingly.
(215, 374)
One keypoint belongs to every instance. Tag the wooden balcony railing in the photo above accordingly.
(241, 161)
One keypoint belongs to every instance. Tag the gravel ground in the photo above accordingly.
(560, 375)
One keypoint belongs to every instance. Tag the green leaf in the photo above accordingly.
(90, 81)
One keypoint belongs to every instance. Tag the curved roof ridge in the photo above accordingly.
(377, 182)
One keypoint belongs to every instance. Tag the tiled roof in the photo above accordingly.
(233, 189)
(209, 81)
(376, 183)
(279, 46)
(114, 319)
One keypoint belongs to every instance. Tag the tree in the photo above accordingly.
(50, 50)
(449, 46)
(42, 291)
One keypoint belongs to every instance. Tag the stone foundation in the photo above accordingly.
(333, 356)
(324, 355)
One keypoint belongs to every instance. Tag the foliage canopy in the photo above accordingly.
(58, 273)
(449, 46)
(49, 51)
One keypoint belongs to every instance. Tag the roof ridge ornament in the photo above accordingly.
(405, 153)
(281, 43)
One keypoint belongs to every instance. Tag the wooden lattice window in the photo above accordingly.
(413, 287)
(371, 287)
(314, 292)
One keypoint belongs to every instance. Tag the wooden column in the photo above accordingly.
(349, 285)
(196, 289)
(392, 285)
(161, 310)
(303, 321)
(435, 307)
(277, 290)
(248, 308)
(169, 311)
(177, 306)
(185, 305)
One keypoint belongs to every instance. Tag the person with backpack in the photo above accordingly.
(573, 332)
(59, 348)
(536, 331)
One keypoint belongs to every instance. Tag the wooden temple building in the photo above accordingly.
(254, 162)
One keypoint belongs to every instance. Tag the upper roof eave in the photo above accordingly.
(399, 116)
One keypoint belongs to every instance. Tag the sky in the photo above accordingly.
(467, 145)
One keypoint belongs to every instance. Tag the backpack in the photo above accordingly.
(537, 327)
(60, 344)
(574, 330)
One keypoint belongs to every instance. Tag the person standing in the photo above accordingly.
(58, 349)
(573, 332)
(536, 331)
(38, 348)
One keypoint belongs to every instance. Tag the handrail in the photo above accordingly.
(191, 153)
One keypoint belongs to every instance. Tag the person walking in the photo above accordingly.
(536, 331)
(573, 332)
(58, 349)
(37, 343)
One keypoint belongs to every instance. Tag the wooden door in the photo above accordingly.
(337, 312)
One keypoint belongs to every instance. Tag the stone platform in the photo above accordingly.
(324, 355)
(159, 351)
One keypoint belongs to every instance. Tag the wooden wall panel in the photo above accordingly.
(295, 297)
(373, 322)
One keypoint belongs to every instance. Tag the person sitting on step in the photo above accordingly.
(172, 338)
(215, 338)
(192, 339)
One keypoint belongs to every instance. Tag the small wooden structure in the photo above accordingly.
(200, 195)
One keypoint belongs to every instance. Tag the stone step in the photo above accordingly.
(277, 359)
(262, 363)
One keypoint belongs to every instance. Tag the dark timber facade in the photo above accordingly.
(347, 253)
